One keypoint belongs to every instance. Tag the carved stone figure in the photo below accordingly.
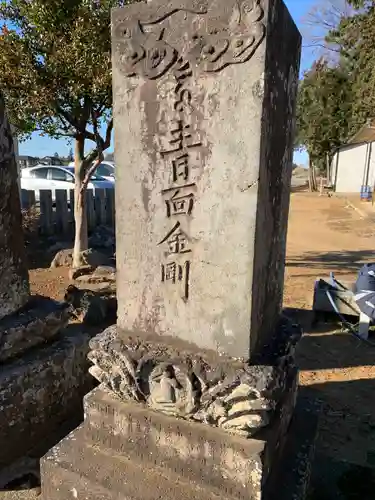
(187, 383)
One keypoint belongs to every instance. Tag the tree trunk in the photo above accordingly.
(312, 177)
(80, 214)
(315, 183)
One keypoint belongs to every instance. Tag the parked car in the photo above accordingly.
(51, 160)
(43, 177)
(105, 169)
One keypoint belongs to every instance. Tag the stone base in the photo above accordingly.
(127, 451)
(40, 391)
(77, 469)
(176, 421)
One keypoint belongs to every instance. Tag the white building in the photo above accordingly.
(353, 165)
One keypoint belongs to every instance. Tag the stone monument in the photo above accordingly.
(198, 381)
(203, 100)
(39, 367)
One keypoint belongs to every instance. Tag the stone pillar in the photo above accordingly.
(204, 95)
(14, 280)
(198, 381)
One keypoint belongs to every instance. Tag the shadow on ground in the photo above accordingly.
(338, 370)
(38, 250)
(332, 480)
(348, 262)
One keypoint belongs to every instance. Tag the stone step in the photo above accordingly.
(76, 469)
(193, 450)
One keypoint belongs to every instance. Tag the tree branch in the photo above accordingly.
(95, 157)
(107, 142)
(80, 127)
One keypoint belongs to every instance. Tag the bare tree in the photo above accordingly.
(323, 17)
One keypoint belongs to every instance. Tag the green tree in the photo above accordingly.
(55, 72)
(323, 112)
(355, 35)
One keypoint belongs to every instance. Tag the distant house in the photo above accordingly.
(27, 161)
(353, 165)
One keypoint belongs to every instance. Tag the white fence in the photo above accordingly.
(58, 217)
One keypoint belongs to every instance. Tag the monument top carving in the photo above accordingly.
(216, 35)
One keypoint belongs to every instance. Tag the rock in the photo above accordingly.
(75, 273)
(104, 271)
(101, 274)
(59, 245)
(88, 306)
(102, 237)
(63, 258)
(90, 257)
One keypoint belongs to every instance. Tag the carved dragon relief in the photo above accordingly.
(225, 393)
(144, 49)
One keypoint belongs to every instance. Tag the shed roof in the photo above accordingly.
(365, 134)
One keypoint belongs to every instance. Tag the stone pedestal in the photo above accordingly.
(139, 442)
(79, 467)
(198, 381)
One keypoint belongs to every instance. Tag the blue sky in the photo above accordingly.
(43, 146)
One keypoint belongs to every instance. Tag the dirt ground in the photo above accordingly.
(325, 234)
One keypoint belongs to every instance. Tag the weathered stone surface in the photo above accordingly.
(91, 257)
(40, 391)
(14, 281)
(196, 452)
(176, 378)
(76, 469)
(36, 323)
(124, 440)
(204, 96)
